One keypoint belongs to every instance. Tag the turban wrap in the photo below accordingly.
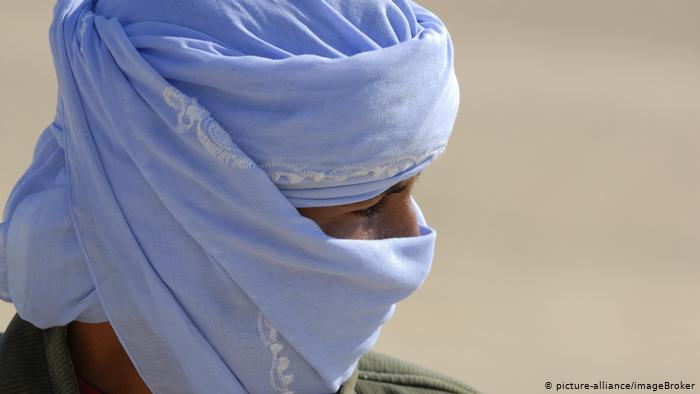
(163, 197)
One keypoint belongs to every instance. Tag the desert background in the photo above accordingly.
(567, 204)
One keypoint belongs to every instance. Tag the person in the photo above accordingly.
(223, 201)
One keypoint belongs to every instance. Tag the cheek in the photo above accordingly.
(336, 223)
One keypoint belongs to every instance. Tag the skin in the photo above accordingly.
(101, 361)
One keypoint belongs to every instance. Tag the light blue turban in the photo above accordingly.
(163, 197)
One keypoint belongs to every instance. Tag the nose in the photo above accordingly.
(397, 221)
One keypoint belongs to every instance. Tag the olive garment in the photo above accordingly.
(34, 360)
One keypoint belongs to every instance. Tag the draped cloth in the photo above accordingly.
(163, 197)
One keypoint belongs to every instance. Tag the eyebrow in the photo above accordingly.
(396, 188)
(401, 186)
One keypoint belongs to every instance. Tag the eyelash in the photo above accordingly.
(373, 210)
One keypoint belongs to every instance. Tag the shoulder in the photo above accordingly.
(379, 373)
(23, 366)
(33, 360)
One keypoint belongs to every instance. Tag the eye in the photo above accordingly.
(373, 210)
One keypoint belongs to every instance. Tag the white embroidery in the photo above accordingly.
(279, 380)
(217, 142)
(83, 28)
(290, 173)
(212, 137)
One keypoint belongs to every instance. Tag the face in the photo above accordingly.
(389, 215)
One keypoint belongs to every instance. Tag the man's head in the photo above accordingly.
(188, 134)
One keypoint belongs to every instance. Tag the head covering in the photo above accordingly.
(163, 196)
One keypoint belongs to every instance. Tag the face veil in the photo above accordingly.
(163, 196)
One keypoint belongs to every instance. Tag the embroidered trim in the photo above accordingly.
(83, 28)
(217, 142)
(279, 380)
(291, 173)
(212, 137)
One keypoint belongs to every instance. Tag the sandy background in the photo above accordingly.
(566, 204)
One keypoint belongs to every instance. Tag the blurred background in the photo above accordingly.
(567, 205)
